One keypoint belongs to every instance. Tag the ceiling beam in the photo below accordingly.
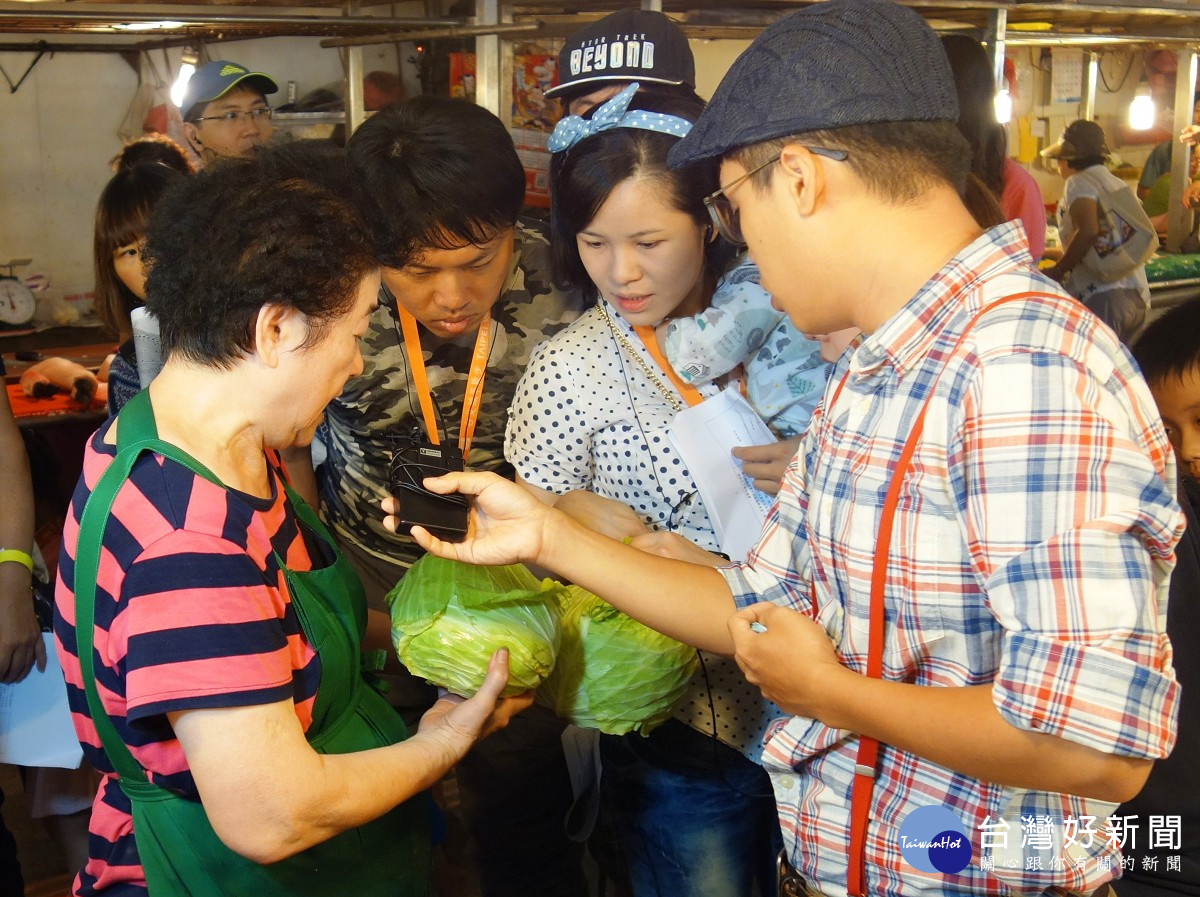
(214, 19)
(432, 34)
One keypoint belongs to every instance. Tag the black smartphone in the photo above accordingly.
(443, 515)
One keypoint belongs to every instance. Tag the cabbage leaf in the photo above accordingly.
(449, 617)
(613, 673)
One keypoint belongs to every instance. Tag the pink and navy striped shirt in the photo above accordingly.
(191, 612)
(1031, 551)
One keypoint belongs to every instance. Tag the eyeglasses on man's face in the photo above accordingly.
(259, 115)
(726, 218)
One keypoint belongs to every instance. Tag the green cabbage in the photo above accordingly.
(448, 618)
(613, 673)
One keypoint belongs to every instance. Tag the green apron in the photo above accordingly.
(179, 851)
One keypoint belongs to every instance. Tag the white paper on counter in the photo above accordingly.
(35, 722)
(705, 435)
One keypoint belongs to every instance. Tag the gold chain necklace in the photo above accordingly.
(637, 356)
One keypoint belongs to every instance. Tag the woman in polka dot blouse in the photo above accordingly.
(691, 813)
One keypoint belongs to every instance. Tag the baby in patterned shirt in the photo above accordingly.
(783, 369)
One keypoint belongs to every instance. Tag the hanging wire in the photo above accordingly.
(43, 48)
(1124, 76)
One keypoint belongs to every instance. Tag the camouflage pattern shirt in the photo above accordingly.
(363, 425)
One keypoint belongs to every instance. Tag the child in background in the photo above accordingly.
(120, 286)
(1168, 352)
(784, 372)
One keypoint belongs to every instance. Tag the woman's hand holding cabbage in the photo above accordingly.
(454, 723)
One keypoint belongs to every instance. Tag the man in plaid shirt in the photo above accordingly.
(1026, 682)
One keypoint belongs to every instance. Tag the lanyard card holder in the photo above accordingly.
(443, 515)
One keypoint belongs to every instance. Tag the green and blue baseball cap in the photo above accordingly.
(215, 79)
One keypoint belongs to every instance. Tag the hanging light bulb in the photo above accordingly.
(1003, 105)
(1141, 109)
(187, 68)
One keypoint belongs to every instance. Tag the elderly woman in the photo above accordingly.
(208, 628)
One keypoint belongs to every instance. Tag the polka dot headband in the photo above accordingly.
(614, 114)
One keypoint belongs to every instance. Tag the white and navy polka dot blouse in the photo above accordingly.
(585, 416)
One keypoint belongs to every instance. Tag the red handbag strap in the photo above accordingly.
(866, 759)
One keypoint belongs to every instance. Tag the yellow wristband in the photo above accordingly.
(16, 556)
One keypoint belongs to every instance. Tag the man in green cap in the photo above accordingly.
(225, 112)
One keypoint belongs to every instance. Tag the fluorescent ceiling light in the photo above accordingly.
(149, 26)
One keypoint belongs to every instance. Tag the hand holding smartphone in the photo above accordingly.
(443, 515)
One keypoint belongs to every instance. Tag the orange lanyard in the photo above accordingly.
(690, 394)
(474, 393)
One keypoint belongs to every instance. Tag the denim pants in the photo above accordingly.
(690, 816)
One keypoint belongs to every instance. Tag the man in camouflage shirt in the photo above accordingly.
(379, 409)
(444, 188)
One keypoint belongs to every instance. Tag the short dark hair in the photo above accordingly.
(583, 176)
(435, 172)
(897, 161)
(1084, 162)
(122, 215)
(1170, 344)
(279, 228)
(154, 148)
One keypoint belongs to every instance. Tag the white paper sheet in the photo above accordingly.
(705, 436)
(35, 722)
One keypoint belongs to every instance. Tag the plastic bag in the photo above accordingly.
(151, 108)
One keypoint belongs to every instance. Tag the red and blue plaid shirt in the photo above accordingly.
(1032, 548)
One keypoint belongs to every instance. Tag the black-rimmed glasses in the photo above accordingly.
(234, 116)
(725, 217)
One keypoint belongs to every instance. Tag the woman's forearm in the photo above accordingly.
(269, 795)
(1076, 249)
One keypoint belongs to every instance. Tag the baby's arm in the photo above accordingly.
(718, 339)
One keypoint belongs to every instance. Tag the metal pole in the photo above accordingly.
(997, 24)
(487, 57)
(1179, 219)
(493, 61)
(1091, 74)
(354, 79)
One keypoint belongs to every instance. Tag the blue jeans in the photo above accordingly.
(690, 816)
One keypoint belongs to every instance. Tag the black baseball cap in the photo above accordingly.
(1082, 139)
(628, 45)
